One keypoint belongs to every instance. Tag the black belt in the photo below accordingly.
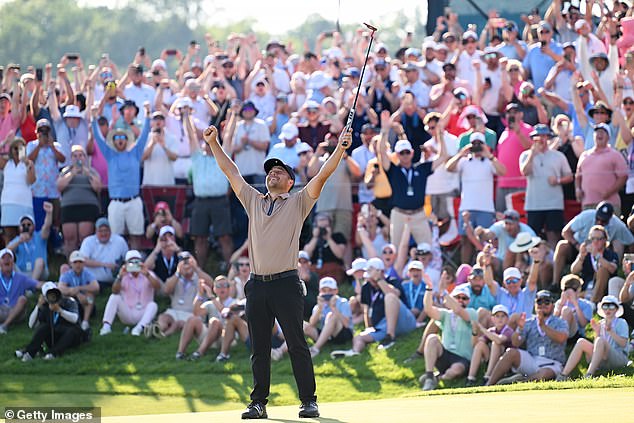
(123, 199)
(274, 276)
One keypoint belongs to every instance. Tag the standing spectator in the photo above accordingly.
(103, 252)
(159, 153)
(601, 172)
(450, 354)
(546, 171)
(163, 260)
(512, 46)
(125, 210)
(288, 149)
(30, 246)
(278, 120)
(609, 350)
(409, 182)
(132, 297)
(542, 55)
(46, 155)
(486, 91)
(250, 144)
(560, 76)
(13, 291)
(474, 120)
(137, 91)
(313, 131)
(362, 156)
(71, 128)
(80, 186)
(326, 248)
(468, 53)
(443, 94)
(514, 140)
(9, 118)
(16, 200)
(81, 285)
(545, 336)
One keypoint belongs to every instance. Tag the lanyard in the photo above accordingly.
(169, 264)
(55, 317)
(7, 287)
(414, 297)
(539, 329)
(409, 174)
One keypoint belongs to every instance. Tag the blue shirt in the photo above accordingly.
(539, 64)
(577, 130)
(401, 180)
(504, 239)
(587, 309)
(207, 177)
(286, 154)
(14, 286)
(522, 303)
(28, 252)
(344, 308)
(535, 339)
(413, 295)
(617, 230)
(124, 177)
(484, 300)
(619, 326)
(282, 119)
(73, 280)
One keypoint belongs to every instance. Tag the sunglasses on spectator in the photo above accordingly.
(513, 280)
(222, 285)
(461, 298)
(405, 152)
(43, 130)
(119, 137)
(544, 31)
(597, 238)
(469, 41)
(227, 65)
(27, 225)
(609, 306)
(490, 56)
(628, 102)
(471, 117)
(514, 69)
(543, 301)
(388, 251)
(312, 110)
(422, 252)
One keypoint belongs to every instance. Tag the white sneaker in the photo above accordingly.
(314, 351)
(137, 330)
(49, 356)
(3, 330)
(19, 353)
(26, 357)
(277, 354)
(343, 353)
(85, 325)
(105, 330)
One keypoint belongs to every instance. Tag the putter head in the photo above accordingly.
(370, 27)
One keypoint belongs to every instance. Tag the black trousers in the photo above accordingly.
(65, 337)
(281, 299)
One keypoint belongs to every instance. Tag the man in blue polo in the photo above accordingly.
(409, 181)
(542, 55)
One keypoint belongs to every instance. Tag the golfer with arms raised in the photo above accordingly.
(274, 290)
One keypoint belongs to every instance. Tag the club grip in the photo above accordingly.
(350, 118)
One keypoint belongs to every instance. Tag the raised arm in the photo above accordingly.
(315, 185)
(225, 163)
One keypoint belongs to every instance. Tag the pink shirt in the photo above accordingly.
(98, 162)
(6, 126)
(599, 170)
(508, 153)
(136, 290)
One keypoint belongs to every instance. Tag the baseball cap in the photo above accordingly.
(167, 229)
(102, 221)
(303, 255)
(289, 131)
(476, 136)
(272, 162)
(604, 211)
(76, 256)
(161, 205)
(512, 272)
(375, 263)
(133, 254)
(402, 145)
(328, 282)
(498, 308)
(461, 289)
(369, 127)
(541, 129)
(302, 147)
(423, 248)
(6, 251)
(357, 264)
(415, 264)
(5, 96)
(27, 216)
(512, 106)
(47, 287)
(605, 127)
(511, 215)
(470, 34)
(545, 25)
(544, 294)
(42, 123)
(184, 255)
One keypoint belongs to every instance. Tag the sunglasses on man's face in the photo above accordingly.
(512, 281)
(222, 285)
(597, 238)
(609, 306)
(543, 301)
(119, 137)
(388, 252)
(461, 298)
(628, 102)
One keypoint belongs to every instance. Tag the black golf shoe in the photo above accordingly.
(309, 409)
(255, 410)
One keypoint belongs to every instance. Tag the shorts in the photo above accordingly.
(406, 323)
(5, 310)
(11, 214)
(615, 360)
(77, 214)
(178, 315)
(530, 364)
(211, 211)
(126, 215)
(547, 220)
(344, 335)
(478, 218)
(448, 359)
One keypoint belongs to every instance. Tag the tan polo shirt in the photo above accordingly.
(274, 228)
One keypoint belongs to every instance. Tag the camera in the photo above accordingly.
(476, 147)
(25, 228)
(326, 297)
(511, 120)
(53, 296)
(133, 266)
(323, 232)
(38, 74)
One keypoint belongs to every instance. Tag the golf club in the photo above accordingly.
(356, 96)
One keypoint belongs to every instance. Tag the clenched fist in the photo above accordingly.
(210, 134)
(345, 139)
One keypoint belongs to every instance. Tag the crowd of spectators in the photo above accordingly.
(486, 198)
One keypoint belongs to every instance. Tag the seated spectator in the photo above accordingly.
(163, 217)
(80, 186)
(57, 318)
(13, 291)
(491, 344)
(30, 246)
(609, 349)
(235, 323)
(527, 249)
(311, 279)
(132, 298)
(577, 230)
(181, 288)
(482, 287)
(164, 259)
(357, 271)
(595, 263)
(209, 317)
(385, 315)
(414, 287)
(239, 274)
(331, 318)
(506, 232)
(451, 353)
(81, 285)
(103, 252)
(125, 210)
(16, 200)
(545, 337)
(571, 307)
(518, 300)
(326, 249)
(625, 290)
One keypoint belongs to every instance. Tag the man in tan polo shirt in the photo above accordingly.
(274, 290)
